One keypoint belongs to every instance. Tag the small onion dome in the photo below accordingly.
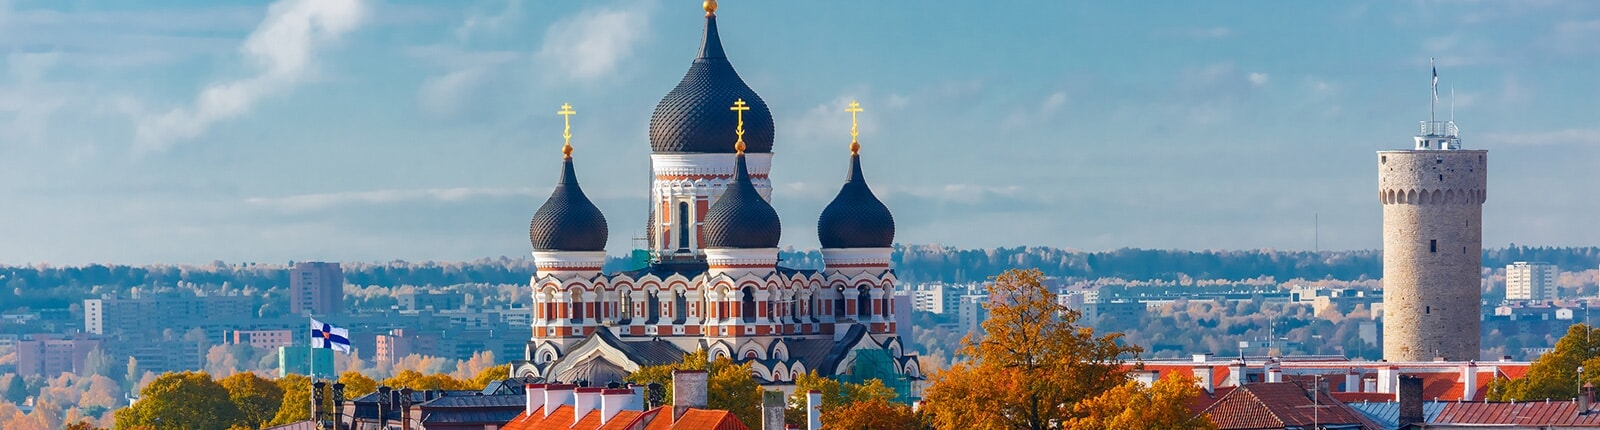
(693, 117)
(855, 218)
(741, 218)
(568, 221)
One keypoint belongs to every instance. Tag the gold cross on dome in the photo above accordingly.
(854, 108)
(566, 118)
(739, 107)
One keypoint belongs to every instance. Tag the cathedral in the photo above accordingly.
(713, 281)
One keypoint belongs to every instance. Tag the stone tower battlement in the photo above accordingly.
(1432, 252)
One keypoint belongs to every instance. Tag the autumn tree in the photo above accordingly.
(258, 399)
(1030, 368)
(418, 381)
(184, 400)
(1554, 375)
(296, 404)
(836, 395)
(491, 374)
(357, 384)
(1161, 406)
(729, 386)
(874, 414)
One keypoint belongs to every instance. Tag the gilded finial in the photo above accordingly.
(711, 8)
(739, 107)
(566, 113)
(854, 108)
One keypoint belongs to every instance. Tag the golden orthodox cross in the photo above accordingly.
(566, 118)
(854, 108)
(739, 107)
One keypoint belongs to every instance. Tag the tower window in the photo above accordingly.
(1433, 245)
(1427, 309)
(683, 226)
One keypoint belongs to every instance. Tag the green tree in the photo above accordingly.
(1554, 375)
(16, 391)
(258, 399)
(1033, 363)
(730, 386)
(187, 400)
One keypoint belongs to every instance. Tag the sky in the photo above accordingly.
(175, 131)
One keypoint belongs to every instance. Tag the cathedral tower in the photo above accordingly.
(1432, 198)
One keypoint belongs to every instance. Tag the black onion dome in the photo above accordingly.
(741, 218)
(694, 117)
(568, 221)
(855, 218)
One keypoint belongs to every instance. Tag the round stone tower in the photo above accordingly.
(1432, 200)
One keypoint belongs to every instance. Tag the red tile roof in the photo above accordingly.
(1279, 405)
(1559, 413)
(658, 418)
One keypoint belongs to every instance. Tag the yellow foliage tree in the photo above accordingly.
(1030, 367)
(417, 381)
(1554, 375)
(874, 414)
(357, 384)
(186, 400)
(730, 387)
(1162, 406)
(835, 395)
(296, 404)
(491, 374)
(258, 399)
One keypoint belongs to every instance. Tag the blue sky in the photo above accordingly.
(186, 131)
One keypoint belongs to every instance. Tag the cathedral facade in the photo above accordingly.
(713, 280)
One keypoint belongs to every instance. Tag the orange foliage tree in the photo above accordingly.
(1162, 406)
(874, 414)
(1032, 365)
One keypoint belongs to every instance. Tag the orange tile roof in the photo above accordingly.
(658, 418)
(1559, 413)
(1278, 405)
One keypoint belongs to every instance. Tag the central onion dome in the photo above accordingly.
(568, 221)
(741, 218)
(855, 218)
(693, 117)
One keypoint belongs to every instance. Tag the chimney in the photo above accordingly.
(1352, 381)
(585, 400)
(1585, 398)
(772, 406)
(637, 400)
(1410, 397)
(1236, 375)
(535, 399)
(813, 410)
(1387, 379)
(613, 401)
(1469, 381)
(1369, 385)
(688, 391)
(1274, 373)
(383, 406)
(556, 395)
(1202, 377)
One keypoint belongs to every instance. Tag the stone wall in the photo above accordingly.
(1432, 252)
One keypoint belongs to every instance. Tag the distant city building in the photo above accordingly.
(902, 313)
(939, 298)
(50, 355)
(261, 338)
(398, 343)
(1432, 197)
(316, 288)
(1531, 281)
(432, 300)
(134, 317)
(973, 311)
(305, 360)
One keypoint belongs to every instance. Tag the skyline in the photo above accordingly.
(356, 130)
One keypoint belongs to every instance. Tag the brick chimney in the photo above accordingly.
(813, 410)
(535, 395)
(688, 391)
(772, 406)
(613, 401)
(1410, 396)
(556, 395)
(585, 400)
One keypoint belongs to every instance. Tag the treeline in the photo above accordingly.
(914, 263)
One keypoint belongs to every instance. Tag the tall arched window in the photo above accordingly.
(652, 302)
(748, 304)
(624, 307)
(683, 226)
(864, 303)
(680, 308)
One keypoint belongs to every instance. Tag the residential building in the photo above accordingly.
(939, 298)
(316, 288)
(973, 312)
(261, 338)
(47, 355)
(1533, 281)
(432, 300)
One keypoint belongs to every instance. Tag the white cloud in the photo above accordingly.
(1576, 136)
(283, 49)
(1258, 79)
(591, 44)
(319, 201)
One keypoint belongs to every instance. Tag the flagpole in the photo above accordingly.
(1433, 96)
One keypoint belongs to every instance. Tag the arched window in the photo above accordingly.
(864, 303)
(680, 308)
(683, 226)
(654, 303)
(624, 307)
(747, 308)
